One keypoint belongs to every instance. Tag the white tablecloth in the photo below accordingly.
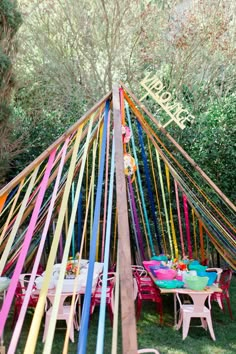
(68, 284)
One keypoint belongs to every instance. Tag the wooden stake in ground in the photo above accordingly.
(128, 321)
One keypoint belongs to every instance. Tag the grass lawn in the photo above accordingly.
(152, 335)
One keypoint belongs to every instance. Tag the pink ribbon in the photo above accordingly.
(190, 252)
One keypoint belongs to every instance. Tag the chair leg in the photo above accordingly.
(110, 314)
(204, 323)
(160, 311)
(210, 327)
(180, 320)
(139, 308)
(15, 316)
(71, 335)
(229, 307)
(186, 323)
(45, 327)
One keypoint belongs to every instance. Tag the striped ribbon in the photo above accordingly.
(116, 308)
(102, 312)
(201, 241)
(56, 301)
(39, 310)
(18, 327)
(20, 262)
(179, 219)
(136, 220)
(190, 252)
(164, 202)
(157, 197)
(148, 184)
(82, 343)
(171, 214)
(140, 183)
(194, 235)
(137, 249)
(142, 217)
(105, 192)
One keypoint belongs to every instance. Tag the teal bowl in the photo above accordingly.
(197, 267)
(211, 276)
(169, 284)
(161, 257)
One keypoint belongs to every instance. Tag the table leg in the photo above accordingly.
(2, 347)
(175, 311)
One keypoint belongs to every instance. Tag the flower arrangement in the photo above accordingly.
(179, 264)
(71, 270)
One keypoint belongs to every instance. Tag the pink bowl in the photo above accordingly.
(147, 264)
(165, 274)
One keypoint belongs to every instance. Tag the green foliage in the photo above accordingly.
(5, 65)
(5, 112)
(211, 142)
(10, 18)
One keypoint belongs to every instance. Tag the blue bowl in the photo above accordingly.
(154, 268)
(211, 276)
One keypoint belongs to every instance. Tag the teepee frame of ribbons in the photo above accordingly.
(77, 198)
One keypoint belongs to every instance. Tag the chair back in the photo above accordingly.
(147, 290)
(225, 280)
(111, 280)
(138, 269)
(218, 271)
(24, 281)
(198, 298)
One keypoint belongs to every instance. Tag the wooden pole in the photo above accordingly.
(128, 321)
(181, 150)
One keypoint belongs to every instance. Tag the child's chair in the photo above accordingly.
(20, 295)
(197, 309)
(224, 284)
(147, 290)
(96, 297)
(63, 313)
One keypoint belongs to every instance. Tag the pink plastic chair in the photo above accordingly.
(218, 271)
(197, 309)
(96, 297)
(63, 313)
(143, 273)
(224, 284)
(147, 290)
(20, 295)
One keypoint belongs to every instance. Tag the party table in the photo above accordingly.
(209, 289)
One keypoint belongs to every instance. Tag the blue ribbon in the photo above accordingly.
(82, 343)
(148, 184)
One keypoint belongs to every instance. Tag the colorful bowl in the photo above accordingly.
(211, 276)
(196, 282)
(197, 267)
(165, 274)
(148, 264)
(161, 257)
(169, 284)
